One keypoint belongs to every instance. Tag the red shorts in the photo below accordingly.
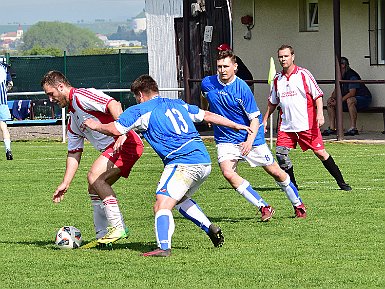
(128, 154)
(308, 139)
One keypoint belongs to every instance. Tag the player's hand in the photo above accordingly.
(264, 123)
(58, 195)
(243, 127)
(245, 148)
(90, 123)
(119, 142)
(320, 120)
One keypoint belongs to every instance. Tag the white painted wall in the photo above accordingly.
(160, 16)
(277, 22)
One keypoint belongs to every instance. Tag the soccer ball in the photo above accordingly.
(68, 237)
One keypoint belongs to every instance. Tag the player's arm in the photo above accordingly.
(320, 112)
(72, 164)
(106, 128)
(270, 109)
(115, 109)
(214, 118)
(248, 144)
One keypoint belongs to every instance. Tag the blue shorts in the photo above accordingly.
(4, 112)
(362, 103)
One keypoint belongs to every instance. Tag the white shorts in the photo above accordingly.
(178, 181)
(258, 156)
(4, 112)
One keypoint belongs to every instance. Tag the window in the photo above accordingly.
(381, 31)
(377, 31)
(312, 15)
(308, 15)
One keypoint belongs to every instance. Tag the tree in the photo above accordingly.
(62, 36)
(38, 50)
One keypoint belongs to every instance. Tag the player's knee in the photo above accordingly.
(282, 154)
(228, 174)
(93, 179)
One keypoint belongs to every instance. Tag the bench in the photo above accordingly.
(372, 109)
(32, 121)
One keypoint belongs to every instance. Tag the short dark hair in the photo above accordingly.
(145, 84)
(53, 78)
(286, 46)
(227, 53)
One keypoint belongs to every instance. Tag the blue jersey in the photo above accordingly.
(168, 126)
(236, 102)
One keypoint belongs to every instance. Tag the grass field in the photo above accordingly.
(340, 245)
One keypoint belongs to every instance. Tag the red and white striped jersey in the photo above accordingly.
(296, 95)
(84, 104)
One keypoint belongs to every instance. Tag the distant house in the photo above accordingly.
(8, 39)
(139, 23)
(102, 37)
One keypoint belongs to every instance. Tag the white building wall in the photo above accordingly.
(277, 22)
(160, 16)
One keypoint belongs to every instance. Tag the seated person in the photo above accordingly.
(355, 96)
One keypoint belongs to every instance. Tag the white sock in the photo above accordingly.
(100, 219)
(191, 211)
(7, 144)
(291, 191)
(164, 228)
(112, 211)
(251, 195)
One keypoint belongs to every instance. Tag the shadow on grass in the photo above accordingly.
(264, 189)
(140, 247)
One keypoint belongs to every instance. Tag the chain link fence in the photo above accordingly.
(111, 71)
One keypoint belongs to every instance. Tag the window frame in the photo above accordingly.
(377, 32)
(312, 15)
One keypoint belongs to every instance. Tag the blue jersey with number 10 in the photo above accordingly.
(168, 126)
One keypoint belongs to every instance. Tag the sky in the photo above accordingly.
(30, 12)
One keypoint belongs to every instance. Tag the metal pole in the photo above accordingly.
(63, 110)
(186, 50)
(337, 58)
(120, 74)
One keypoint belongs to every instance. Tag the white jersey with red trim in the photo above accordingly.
(296, 95)
(84, 104)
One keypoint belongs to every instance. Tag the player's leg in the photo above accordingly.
(228, 156)
(7, 140)
(192, 211)
(284, 162)
(107, 169)
(283, 180)
(99, 215)
(285, 142)
(164, 226)
(101, 176)
(328, 162)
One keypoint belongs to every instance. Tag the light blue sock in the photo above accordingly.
(164, 228)
(251, 195)
(191, 211)
(291, 191)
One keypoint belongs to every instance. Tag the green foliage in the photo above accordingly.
(339, 245)
(38, 50)
(97, 51)
(63, 36)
